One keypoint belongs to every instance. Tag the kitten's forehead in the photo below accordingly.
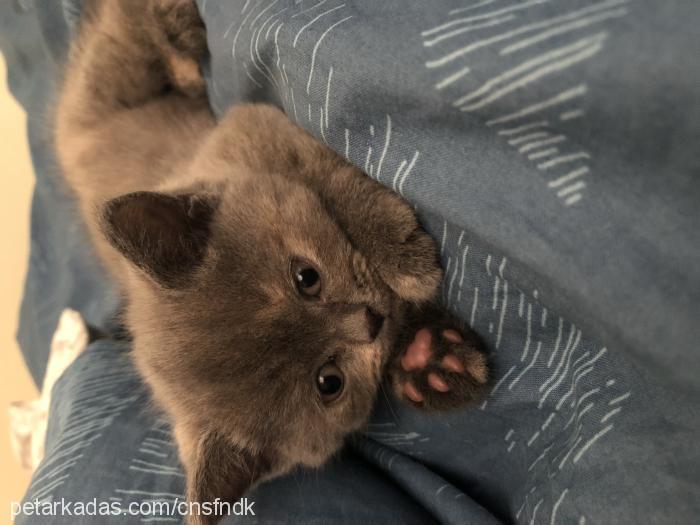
(272, 218)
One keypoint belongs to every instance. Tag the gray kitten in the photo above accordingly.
(269, 286)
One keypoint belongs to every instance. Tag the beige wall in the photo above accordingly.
(16, 182)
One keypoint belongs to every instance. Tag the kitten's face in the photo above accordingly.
(258, 326)
(278, 339)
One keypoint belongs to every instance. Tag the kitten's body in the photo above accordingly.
(220, 333)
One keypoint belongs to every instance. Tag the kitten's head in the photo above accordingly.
(258, 326)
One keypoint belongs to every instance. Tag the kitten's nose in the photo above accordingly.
(374, 322)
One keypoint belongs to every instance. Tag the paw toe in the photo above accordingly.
(419, 352)
(452, 363)
(411, 392)
(453, 336)
(437, 383)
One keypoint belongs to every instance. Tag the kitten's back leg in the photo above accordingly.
(131, 51)
(181, 36)
(128, 118)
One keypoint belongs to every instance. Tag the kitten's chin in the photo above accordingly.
(313, 452)
(315, 459)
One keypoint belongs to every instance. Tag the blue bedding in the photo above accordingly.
(551, 149)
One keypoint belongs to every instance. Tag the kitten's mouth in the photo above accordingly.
(375, 322)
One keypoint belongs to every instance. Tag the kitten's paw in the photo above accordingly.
(415, 272)
(181, 34)
(405, 255)
(441, 368)
(181, 26)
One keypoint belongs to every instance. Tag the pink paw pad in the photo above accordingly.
(438, 383)
(418, 356)
(418, 352)
(453, 336)
(452, 363)
(411, 392)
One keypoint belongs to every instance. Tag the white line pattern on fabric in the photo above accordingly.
(556, 506)
(618, 399)
(467, 29)
(528, 367)
(523, 5)
(454, 77)
(315, 50)
(591, 442)
(306, 26)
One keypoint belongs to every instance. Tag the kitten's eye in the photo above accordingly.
(306, 279)
(330, 382)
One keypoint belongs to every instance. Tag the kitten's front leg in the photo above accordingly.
(438, 363)
(384, 227)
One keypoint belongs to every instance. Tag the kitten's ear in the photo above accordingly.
(164, 235)
(220, 470)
